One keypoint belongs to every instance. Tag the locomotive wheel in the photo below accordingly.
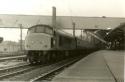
(53, 57)
(31, 61)
(57, 56)
(66, 54)
(43, 59)
(62, 55)
(30, 58)
(48, 57)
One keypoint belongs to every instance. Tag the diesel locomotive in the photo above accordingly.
(43, 44)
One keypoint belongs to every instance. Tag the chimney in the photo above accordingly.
(54, 18)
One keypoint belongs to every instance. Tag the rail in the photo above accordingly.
(52, 71)
(13, 57)
(11, 73)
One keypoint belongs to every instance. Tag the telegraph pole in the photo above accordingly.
(73, 29)
(20, 26)
(81, 33)
(74, 34)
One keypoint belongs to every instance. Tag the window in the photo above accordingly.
(40, 29)
(31, 30)
(48, 30)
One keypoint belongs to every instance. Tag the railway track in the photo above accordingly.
(3, 70)
(36, 73)
(11, 71)
(12, 58)
(53, 71)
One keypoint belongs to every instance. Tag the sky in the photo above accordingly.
(91, 8)
(112, 8)
(11, 34)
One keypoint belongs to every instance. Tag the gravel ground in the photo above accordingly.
(10, 63)
(34, 73)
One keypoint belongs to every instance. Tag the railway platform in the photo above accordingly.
(100, 66)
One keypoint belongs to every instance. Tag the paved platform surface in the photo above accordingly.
(116, 63)
(100, 66)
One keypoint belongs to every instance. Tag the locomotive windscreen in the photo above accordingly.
(40, 29)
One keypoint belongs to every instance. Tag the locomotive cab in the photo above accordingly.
(38, 41)
(39, 37)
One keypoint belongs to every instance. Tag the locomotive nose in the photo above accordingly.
(41, 42)
(38, 41)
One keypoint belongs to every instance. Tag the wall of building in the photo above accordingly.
(9, 46)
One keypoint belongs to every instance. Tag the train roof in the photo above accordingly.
(40, 25)
(58, 31)
(12, 20)
(61, 32)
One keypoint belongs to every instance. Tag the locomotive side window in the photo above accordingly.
(48, 30)
(31, 30)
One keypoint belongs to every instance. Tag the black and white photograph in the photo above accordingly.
(62, 40)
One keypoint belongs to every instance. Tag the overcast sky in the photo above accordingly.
(96, 8)
(109, 8)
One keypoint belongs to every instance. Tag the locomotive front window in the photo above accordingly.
(44, 29)
(40, 29)
(31, 30)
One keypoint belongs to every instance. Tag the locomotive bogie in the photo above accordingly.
(43, 57)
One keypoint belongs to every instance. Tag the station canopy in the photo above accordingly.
(116, 33)
(64, 22)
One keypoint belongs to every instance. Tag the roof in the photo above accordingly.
(62, 21)
(116, 33)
